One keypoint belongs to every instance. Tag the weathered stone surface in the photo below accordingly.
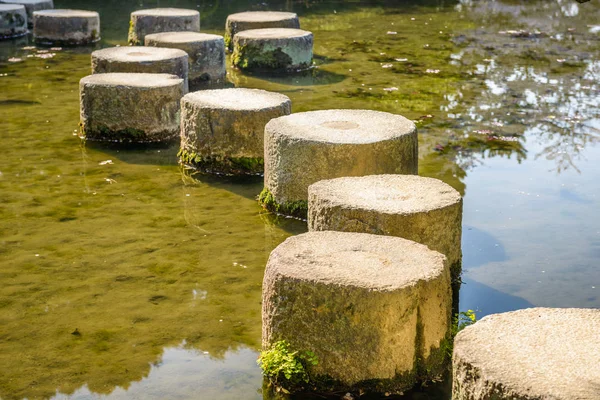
(531, 354)
(130, 107)
(223, 130)
(206, 55)
(156, 60)
(304, 148)
(13, 21)
(31, 6)
(424, 210)
(66, 27)
(155, 20)
(370, 307)
(258, 20)
(273, 49)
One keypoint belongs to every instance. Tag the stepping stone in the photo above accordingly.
(206, 55)
(424, 210)
(222, 131)
(258, 20)
(374, 309)
(304, 148)
(155, 20)
(536, 353)
(66, 27)
(31, 6)
(156, 60)
(13, 21)
(130, 107)
(279, 49)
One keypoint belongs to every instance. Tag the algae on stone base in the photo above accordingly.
(222, 165)
(297, 209)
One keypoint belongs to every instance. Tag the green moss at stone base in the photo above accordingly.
(222, 165)
(127, 135)
(228, 41)
(131, 36)
(255, 58)
(297, 209)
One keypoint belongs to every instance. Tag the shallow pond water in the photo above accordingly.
(122, 276)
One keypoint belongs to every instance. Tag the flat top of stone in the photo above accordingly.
(236, 99)
(342, 126)
(167, 12)
(138, 53)
(262, 16)
(374, 262)
(65, 13)
(11, 7)
(392, 194)
(183, 37)
(537, 352)
(132, 80)
(272, 33)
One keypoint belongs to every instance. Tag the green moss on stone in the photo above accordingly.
(127, 135)
(228, 41)
(222, 165)
(256, 58)
(131, 36)
(297, 209)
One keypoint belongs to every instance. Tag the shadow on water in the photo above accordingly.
(486, 300)
(310, 77)
(141, 154)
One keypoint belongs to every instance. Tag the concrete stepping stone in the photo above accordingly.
(536, 353)
(130, 107)
(31, 6)
(66, 27)
(280, 49)
(13, 21)
(222, 131)
(425, 210)
(304, 148)
(206, 55)
(155, 20)
(375, 310)
(258, 20)
(156, 60)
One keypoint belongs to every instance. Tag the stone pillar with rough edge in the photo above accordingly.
(222, 131)
(535, 353)
(13, 21)
(258, 20)
(130, 107)
(206, 55)
(374, 309)
(154, 60)
(279, 49)
(305, 148)
(31, 6)
(155, 20)
(425, 210)
(66, 27)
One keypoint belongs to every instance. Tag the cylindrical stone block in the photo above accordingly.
(154, 60)
(531, 354)
(222, 131)
(279, 49)
(66, 27)
(258, 20)
(372, 308)
(304, 148)
(126, 107)
(31, 6)
(425, 210)
(13, 21)
(206, 55)
(155, 20)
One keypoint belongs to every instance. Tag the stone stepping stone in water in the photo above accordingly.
(130, 107)
(13, 21)
(66, 27)
(258, 20)
(425, 210)
(304, 148)
(206, 55)
(156, 60)
(155, 20)
(273, 49)
(374, 309)
(31, 6)
(222, 131)
(536, 353)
